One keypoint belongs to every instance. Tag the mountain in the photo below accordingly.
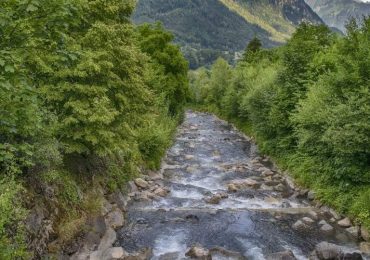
(336, 13)
(207, 29)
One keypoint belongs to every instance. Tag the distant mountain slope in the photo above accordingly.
(207, 29)
(336, 13)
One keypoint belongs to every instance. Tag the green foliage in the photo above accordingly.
(219, 79)
(81, 87)
(307, 103)
(252, 50)
(154, 140)
(12, 214)
(167, 61)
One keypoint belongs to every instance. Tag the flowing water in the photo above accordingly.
(207, 155)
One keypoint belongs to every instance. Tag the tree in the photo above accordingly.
(219, 81)
(252, 50)
(99, 94)
(167, 61)
(296, 72)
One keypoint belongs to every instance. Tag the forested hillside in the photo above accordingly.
(336, 13)
(207, 29)
(307, 104)
(87, 101)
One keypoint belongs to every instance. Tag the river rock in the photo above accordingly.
(326, 251)
(120, 200)
(345, 223)
(198, 252)
(246, 183)
(285, 255)
(280, 187)
(266, 187)
(161, 192)
(232, 187)
(300, 226)
(190, 169)
(313, 215)
(308, 220)
(189, 157)
(215, 199)
(327, 229)
(132, 187)
(114, 219)
(141, 183)
(354, 231)
(109, 254)
(108, 239)
(267, 172)
(271, 200)
(154, 176)
(365, 234)
(365, 247)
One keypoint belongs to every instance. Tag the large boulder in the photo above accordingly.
(345, 223)
(284, 255)
(326, 251)
(115, 218)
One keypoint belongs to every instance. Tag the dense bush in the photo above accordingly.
(307, 103)
(81, 86)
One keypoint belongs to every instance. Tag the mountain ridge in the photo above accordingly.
(336, 13)
(208, 29)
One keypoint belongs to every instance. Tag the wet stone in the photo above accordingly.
(327, 229)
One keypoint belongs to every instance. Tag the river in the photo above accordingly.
(211, 204)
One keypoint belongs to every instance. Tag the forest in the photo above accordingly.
(87, 100)
(307, 105)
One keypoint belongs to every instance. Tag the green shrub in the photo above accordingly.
(12, 215)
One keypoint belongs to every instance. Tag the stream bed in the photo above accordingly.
(224, 195)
